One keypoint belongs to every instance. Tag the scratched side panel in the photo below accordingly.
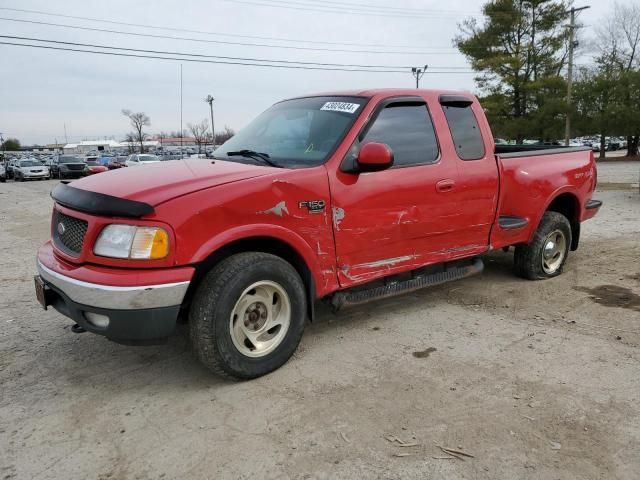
(266, 206)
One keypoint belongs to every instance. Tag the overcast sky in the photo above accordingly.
(42, 90)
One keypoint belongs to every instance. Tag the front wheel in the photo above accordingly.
(248, 315)
(546, 255)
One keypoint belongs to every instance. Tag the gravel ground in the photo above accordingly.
(537, 380)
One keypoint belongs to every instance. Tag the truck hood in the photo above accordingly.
(157, 183)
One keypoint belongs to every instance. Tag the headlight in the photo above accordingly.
(129, 241)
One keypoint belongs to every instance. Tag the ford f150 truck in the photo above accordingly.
(346, 197)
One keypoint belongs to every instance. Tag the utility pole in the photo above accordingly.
(210, 100)
(181, 134)
(572, 44)
(418, 72)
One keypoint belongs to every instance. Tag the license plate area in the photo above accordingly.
(41, 291)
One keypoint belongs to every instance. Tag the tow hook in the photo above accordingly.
(77, 328)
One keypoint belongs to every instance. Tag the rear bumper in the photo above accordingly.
(590, 210)
(147, 311)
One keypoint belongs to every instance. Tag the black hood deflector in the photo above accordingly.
(99, 203)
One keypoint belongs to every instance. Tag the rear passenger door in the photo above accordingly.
(397, 219)
(478, 182)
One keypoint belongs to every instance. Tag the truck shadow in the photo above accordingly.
(172, 365)
(498, 272)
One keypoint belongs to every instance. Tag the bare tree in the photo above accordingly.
(161, 136)
(130, 139)
(618, 41)
(200, 132)
(224, 136)
(138, 120)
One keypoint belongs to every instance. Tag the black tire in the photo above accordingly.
(528, 259)
(215, 300)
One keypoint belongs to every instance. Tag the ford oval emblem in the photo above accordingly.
(61, 228)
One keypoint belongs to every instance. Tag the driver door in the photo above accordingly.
(398, 219)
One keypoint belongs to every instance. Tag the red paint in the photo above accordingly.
(374, 224)
(93, 169)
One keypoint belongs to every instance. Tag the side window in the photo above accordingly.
(408, 130)
(465, 132)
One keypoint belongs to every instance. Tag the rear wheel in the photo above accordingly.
(546, 255)
(248, 315)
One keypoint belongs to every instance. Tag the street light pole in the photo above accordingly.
(572, 44)
(210, 100)
(418, 72)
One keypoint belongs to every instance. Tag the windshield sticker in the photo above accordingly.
(340, 107)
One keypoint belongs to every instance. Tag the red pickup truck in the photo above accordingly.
(346, 197)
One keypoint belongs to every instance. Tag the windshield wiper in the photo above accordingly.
(253, 154)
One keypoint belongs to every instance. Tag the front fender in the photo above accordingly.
(292, 239)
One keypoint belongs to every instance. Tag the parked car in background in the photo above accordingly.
(141, 159)
(95, 167)
(10, 166)
(30, 169)
(3, 173)
(116, 162)
(68, 166)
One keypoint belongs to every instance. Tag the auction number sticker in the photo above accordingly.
(340, 107)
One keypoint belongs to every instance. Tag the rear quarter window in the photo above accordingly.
(465, 132)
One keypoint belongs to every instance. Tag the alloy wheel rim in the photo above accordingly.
(260, 319)
(553, 251)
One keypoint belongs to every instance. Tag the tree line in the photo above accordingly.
(519, 50)
(200, 131)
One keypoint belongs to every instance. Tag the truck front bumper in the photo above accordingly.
(125, 314)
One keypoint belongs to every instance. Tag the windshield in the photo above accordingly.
(148, 158)
(296, 133)
(30, 163)
(69, 159)
(92, 163)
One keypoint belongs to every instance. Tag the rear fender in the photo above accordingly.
(574, 219)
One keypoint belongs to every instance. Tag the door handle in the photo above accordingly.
(445, 185)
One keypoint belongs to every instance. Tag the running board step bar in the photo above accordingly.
(347, 298)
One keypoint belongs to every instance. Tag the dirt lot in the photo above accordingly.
(537, 380)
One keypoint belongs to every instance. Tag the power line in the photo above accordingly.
(344, 7)
(162, 52)
(202, 32)
(380, 7)
(392, 68)
(193, 60)
(223, 42)
(330, 9)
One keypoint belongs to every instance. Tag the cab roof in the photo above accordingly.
(386, 92)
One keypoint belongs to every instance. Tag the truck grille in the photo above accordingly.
(68, 233)
(75, 166)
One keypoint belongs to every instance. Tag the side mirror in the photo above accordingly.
(374, 157)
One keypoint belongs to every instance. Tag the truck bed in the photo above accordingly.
(512, 151)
